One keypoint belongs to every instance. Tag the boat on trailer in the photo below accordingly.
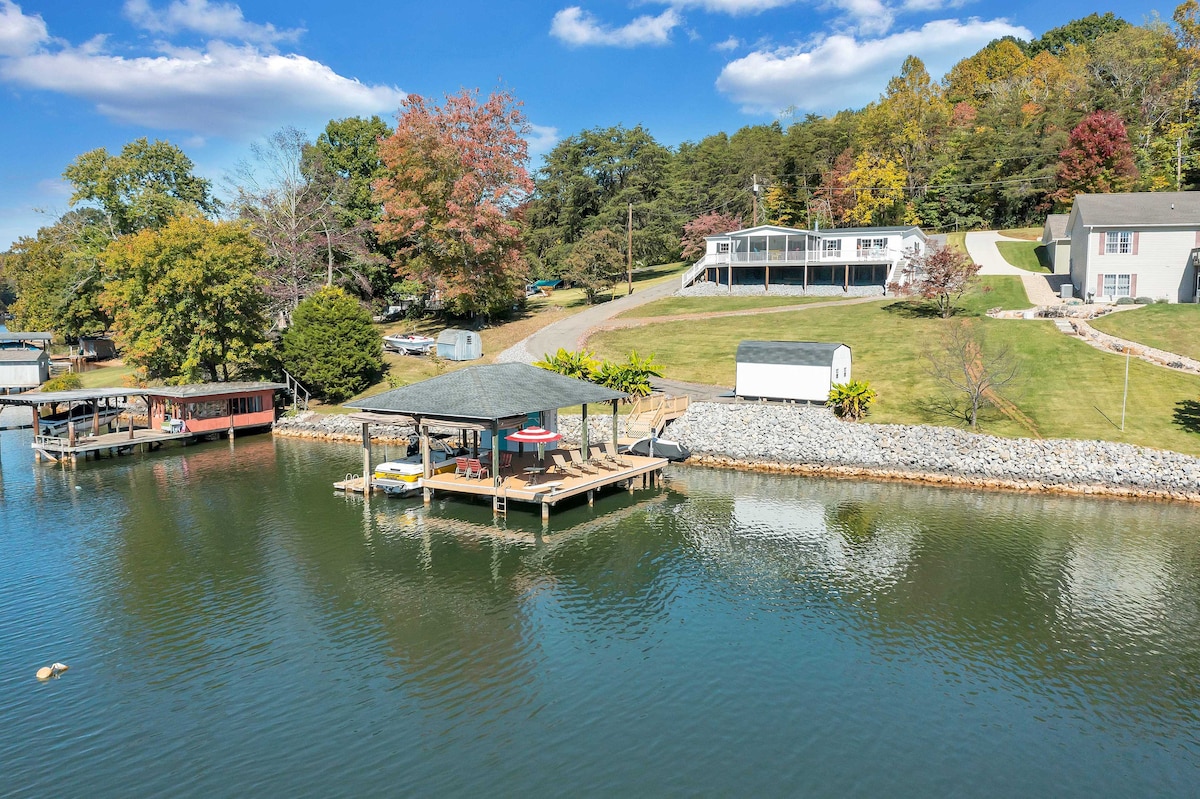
(402, 476)
(410, 344)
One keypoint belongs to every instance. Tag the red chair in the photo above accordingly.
(476, 469)
(460, 467)
(505, 461)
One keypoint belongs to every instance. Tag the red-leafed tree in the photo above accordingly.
(692, 243)
(1098, 158)
(836, 198)
(454, 176)
(941, 274)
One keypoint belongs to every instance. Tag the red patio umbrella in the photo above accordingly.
(535, 435)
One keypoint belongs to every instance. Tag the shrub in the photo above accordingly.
(67, 381)
(1124, 301)
(1144, 301)
(331, 347)
(580, 365)
(851, 400)
(1161, 301)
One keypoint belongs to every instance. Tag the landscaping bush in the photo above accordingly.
(331, 347)
(67, 381)
(1162, 301)
(1124, 301)
(851, 400)
(1144, 300)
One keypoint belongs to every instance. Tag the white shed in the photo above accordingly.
(790, 370)
(459, 345)
(23, 368)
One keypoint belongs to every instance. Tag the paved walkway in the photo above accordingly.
(1043, 289)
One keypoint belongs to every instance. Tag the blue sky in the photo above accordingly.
(213, 76)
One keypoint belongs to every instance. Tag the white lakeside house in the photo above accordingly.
(1139, 244)
(770, 255)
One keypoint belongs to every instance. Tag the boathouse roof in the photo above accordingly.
(487, 393)
(11, 335)
(191, 391)
(22, 355)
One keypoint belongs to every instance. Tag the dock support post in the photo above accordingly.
(545, 511)
(366, 442)
(591, 499)
(427, 495)
(615, 438)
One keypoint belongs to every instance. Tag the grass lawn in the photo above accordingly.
(1165, 327)
(576, 300)
(957, 241)
(681, 305)
(1027, 233)
(1067, 388)
(106, 376)
(994, 291)
(1028, 255)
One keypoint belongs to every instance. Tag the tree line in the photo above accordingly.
(443, 208)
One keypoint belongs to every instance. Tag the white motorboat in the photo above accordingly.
(81, 417)
(410, 344)
(403, 475)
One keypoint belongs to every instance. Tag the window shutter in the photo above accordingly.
(1103, 236)
(1099, 285)
(1133, 278)
(1135, 242)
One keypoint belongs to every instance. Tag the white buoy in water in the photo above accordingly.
(53, 670)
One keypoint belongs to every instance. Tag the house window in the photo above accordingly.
(1117, 285)
(722, 247)
(1118, 242)
(872, 248)
(247, 404)
(832, 248)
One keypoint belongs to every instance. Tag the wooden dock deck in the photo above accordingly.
(546, 489)
(58, 447)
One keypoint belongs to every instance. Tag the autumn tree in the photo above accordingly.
(331, 346)
(710, 224)
(143, 187)
(938, 273)
(834, 201)
(453, 176)
(878, 185)
(595, 263)
(187, 301)
(1098, 159)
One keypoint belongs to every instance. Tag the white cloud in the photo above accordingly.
(214, 20)
(733, 6)
(579, 28)
(868, 16)
(222, 90)
(20, 34)
(732, 43)
(843, 72)
(541, 139)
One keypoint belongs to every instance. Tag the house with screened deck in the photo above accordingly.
(832, 261)
(1139, 244)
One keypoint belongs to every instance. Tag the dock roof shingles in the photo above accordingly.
(495, 391)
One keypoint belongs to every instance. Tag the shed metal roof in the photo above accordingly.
(10, 335)
(22, 356)
(788, 353)
(1140, 208)
(487, 393)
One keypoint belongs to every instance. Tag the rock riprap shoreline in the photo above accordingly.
(811, 440)
(338, 427)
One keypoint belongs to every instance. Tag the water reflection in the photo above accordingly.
(226, 613)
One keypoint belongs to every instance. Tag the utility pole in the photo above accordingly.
(629, 250)
(754, 213)
(1179, 164)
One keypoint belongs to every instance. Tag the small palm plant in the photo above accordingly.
(851, 400)
(581, 365)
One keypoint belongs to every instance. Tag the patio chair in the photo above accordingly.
(610, 452)
(460, 467)
(476, 469)
(577, 460)
(505, 460)
(561, 466)
(600, 459)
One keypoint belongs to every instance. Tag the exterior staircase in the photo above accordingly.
(300, 394)
(651, 414)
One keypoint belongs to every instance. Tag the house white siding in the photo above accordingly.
(1157, 264)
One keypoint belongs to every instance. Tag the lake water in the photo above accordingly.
(232, 626)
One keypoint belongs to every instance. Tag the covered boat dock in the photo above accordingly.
(487, 402)
(99, 421)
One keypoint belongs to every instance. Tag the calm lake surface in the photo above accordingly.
(232, 625)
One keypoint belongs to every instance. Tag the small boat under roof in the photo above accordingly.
(81, 417)
(403, 475)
